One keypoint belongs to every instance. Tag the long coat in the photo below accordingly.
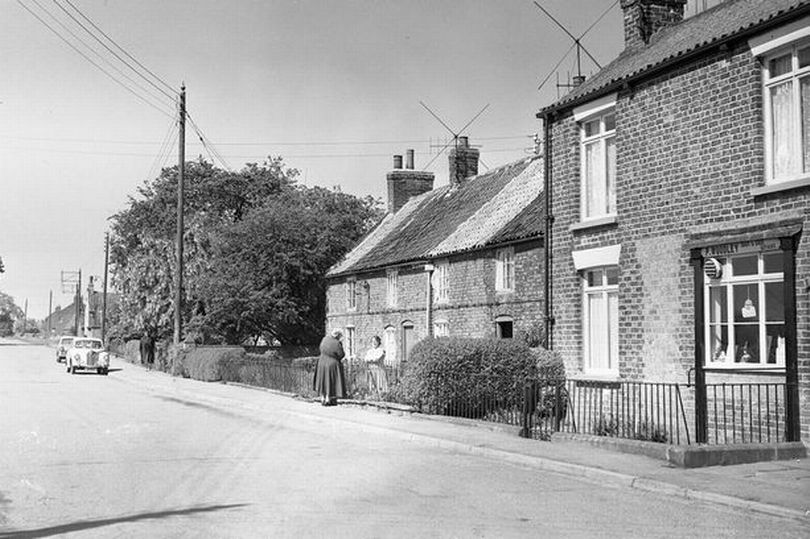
(147, 350)
(329, 380)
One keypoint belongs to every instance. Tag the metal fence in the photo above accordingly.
(649, 411)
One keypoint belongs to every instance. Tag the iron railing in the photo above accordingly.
(746, 413)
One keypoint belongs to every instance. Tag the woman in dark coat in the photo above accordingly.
(329, 381)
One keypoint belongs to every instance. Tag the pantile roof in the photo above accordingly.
(715, 25)
(493, 208)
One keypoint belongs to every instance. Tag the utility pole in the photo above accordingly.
(77, 303)
(104, 297)
(181, 170)
(50, 310)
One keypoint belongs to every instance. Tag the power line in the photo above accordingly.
(95, 52)
(257, 143)
(171, 97)
(207, 144)
(68, 43)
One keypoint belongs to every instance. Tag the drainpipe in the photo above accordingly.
(549, 220)
(429, 299)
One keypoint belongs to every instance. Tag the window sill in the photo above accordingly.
(740, 369)
(504, 292)
(780, 186)
(595, 377)
(593, 223)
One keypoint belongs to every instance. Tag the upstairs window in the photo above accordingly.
(441, 281)
(505, 270)
(598, 158)
(786, 76)
(351, 295)
(391, 288)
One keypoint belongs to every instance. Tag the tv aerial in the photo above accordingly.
(577, 44)
(455, 134)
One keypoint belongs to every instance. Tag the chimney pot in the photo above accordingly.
(409, 159)
(397, 162)
(463, 142)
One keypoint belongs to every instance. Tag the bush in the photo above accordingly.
(206, 363)
(308, 363)
(467, 377)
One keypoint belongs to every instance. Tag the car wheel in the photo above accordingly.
(72, 369)
(104, 371)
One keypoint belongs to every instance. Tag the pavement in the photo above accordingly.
(776, 488)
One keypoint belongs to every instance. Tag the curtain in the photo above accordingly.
(805, 104)
(610, 145)
(783, 125)
(594, 180)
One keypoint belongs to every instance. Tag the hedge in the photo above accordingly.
(468, 377)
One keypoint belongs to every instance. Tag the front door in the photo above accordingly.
(408, 340)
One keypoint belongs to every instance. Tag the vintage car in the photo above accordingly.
(88, 353)
(65, 343)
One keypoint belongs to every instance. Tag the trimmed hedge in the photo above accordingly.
(468, 377)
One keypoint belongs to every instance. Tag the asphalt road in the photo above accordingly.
(96, 456)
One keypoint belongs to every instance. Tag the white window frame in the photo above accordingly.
(392, 281)
(604, 291)
(713, 358)
(505, 270)
(441, 281)
(351, 295)
(597, 110)
(794, 77)
(390, 346)
(441, 328)
(351, 342)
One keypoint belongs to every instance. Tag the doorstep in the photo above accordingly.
(692, 456)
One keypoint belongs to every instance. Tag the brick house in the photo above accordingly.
(461, 260)
(680, 209)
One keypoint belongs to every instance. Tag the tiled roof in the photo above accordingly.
(489, 209)
(723, 21)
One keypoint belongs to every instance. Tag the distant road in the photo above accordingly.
(126, 456)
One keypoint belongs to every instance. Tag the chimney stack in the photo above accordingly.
(463, 162)
(406, 183)
(643, 18)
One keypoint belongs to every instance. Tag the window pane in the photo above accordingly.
(783, 126)
(780, 65)
(745, 265)
(718, 306)
(610, 180)
(776, 344)
(719, 343)
(594, 180)
(804, 57)
(773, 262)
(591, 128)
(594, 278)
(610, 122)
(804, 87)
(746, 303)
(774, 302)
(746, 339)
(598, 335)
(613, 314)
(612, 275)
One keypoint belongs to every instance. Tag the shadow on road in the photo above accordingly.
(90, 524)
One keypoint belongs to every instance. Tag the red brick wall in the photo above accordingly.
(689, 151)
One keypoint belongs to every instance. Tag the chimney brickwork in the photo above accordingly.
(463, 162)
(406, 183)
(643, 18)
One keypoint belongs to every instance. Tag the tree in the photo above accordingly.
(257, 247)
(2, 268)
(267, 272)
(9, 314)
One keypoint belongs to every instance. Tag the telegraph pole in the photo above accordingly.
(104, 297)
(181, 170)
(50, 310)
(77, 303)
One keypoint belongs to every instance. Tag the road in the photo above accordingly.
(121, 456)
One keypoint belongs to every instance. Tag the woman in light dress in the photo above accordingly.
(377, 380)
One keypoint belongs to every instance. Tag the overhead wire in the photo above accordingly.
(100, 68)
(171, 96)
(96, 53)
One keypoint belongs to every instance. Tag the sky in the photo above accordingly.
(332, 87)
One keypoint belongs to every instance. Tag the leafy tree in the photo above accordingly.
(256, 248)
(2, 268)
(9, 314)
(267, 272)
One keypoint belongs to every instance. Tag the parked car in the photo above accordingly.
(88, 353)
(64, 345)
